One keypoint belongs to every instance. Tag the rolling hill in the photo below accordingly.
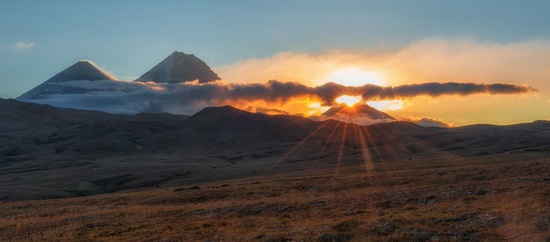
(52, 152)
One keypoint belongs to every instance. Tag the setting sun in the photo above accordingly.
(352, 76)
(348, 100)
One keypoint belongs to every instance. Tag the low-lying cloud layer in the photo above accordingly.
(330, 91)
(125, 97)
(428, 122)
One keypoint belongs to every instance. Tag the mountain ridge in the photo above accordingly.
(216, 142)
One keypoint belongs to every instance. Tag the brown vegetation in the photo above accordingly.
(500, 197)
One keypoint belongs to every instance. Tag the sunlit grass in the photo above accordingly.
(421, 200)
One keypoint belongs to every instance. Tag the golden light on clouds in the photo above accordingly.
(316, 108)
(352, 76)
(314, 105)
(429, 60)
(387, 105)
(152, 86)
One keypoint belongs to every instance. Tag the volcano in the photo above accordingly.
(180, 67)
(86, 86)
(84, 72)
(361, 114)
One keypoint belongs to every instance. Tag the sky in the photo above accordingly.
(387, 43)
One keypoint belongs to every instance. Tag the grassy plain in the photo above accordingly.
(500, 197)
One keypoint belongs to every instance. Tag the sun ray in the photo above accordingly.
(332, 132)
(367, 160)
(295, 147)
(341, 150)
(357, 141)
(367, 134)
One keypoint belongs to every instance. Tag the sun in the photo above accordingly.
(351, 76)
(348, 100)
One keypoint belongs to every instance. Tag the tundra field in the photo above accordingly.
(488, 198)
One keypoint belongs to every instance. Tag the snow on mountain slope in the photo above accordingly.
(82, 77)
(179, 67)
(85, 86)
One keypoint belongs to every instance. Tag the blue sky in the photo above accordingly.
(129, 37)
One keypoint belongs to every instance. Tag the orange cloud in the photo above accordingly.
(430, 60)
(428, 122)
(288, 66)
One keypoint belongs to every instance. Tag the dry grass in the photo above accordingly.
(490, 198)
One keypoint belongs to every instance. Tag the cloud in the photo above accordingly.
(266, 110)
(434, 89)
(277, 91)
(23, 45)
(330, 91)
(128, 97)
(430, 60)
(425, 61)
(443, 69)
(428, 122)
(289, 66)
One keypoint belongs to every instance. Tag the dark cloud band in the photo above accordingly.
(182, 97)
(328, 92)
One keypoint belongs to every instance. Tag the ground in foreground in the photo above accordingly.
(501, 197)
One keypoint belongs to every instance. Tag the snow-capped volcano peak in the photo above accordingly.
(76, 79)
(82, 70)
(361, 114)
(179, 67)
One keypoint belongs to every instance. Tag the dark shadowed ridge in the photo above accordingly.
(116, 152)
(252, 127)
(22, 116)
(222, 115)
(80, 71)
(29, 116)
(179, 67)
